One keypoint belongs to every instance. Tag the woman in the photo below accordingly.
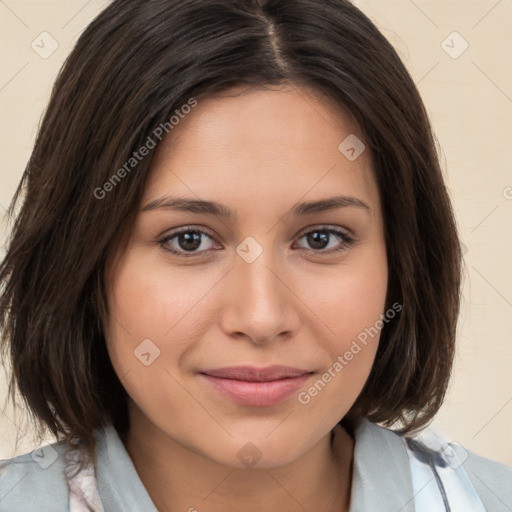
(235, 256)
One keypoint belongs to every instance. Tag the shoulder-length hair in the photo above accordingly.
(134, 67)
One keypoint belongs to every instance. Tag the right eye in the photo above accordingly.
(185, 240)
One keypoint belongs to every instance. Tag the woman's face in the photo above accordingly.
(272, 284)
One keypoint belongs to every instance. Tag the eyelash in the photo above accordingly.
(346, 241)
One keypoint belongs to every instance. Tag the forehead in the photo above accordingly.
(265, 144)
(274, 113)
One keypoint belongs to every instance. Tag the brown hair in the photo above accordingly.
(131, 69)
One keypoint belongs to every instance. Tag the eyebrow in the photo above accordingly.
(220, 210)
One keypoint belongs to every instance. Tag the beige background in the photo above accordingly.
(469, 98)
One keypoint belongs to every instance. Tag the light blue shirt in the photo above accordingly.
(381, 480)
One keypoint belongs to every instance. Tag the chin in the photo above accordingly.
(263, 450)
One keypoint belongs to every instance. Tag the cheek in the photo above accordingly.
(350, 300)
(149, 330)
(149, 300)
(350, 305)
(157, 317)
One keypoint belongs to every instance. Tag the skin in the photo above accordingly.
(259, 152)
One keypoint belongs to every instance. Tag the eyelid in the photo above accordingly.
(188, 228)
(324, 227)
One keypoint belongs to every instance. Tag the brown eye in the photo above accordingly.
(186, 240)
(331, 239)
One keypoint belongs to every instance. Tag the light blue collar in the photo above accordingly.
(388, 474)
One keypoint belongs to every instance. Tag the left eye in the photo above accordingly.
(189, 240)
(319, 239)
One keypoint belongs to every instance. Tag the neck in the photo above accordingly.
(178, 478)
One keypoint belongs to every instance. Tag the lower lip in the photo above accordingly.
(257, 394)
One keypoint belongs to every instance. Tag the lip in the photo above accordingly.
(256, 387)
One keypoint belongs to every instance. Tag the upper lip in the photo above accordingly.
(252, 374)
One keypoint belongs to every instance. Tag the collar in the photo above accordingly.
(381, 479)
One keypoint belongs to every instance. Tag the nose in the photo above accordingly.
(258, 302)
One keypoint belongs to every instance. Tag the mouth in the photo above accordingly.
(256, 387)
